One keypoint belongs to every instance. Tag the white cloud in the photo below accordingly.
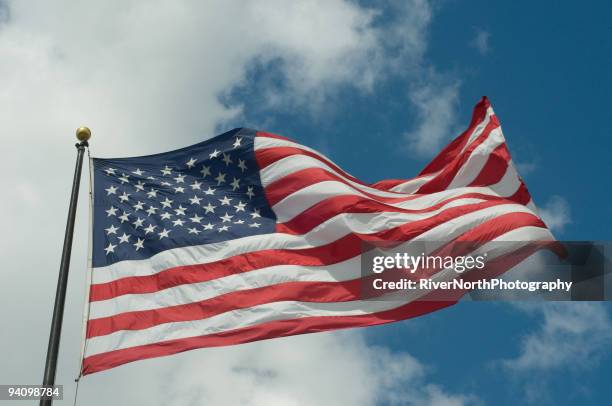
(435, 104)
(575, 334)
(148, 77)
(572, 338)
(525, 168)
(335, 369)
(481, 41)
(556, 213)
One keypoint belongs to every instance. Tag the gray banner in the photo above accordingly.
(31, 392)
(495, 270)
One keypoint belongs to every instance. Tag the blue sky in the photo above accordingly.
(545, 69)
(379, 87)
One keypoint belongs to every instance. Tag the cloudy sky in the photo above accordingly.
(379, 87)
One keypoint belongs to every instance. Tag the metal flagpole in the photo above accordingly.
(83, 135)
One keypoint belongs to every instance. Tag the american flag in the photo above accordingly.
(249, 236)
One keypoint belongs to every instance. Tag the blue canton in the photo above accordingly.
(206, 193)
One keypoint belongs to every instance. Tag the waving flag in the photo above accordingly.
(250, 236)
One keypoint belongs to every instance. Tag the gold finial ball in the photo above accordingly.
(83, 134)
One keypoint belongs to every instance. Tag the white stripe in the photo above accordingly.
(477, 159)
(276, 311)
(412, 185)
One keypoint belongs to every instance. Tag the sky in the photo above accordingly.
(379, 87)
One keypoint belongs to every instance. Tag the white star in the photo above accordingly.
(215, 153)
(124, 197)
(138, 222)
(124, 238)
(249, 192)
(255, 214)
(111, 212)
(110, 248)
(196, 218)
(226, 218)
(166, 171)
(167, 203)
(209, 191)
(191, 163)
(196, 185)
(237, 142)
(254, 225)
(195, 200)
(178, 222)
(223, 228)
(208, 226)
(240, 207)
(151, 228)
(138, 172)
(139, 185)
(194, 231)
(110, 171)
(151, 210)
(225, 201)
(227, 159)
(239, 222)
(124, 178)
(124, 217)
(205, 171)
(235, 184)
(163, 233)
(220, 178)
(111, 230)
(180, 211)
(166, 184)
(150, 178)
(138, 206)
(139, 244)
(180, 179)
(179, 189)
(166, 216)
(112, 190)
(152, 193)
(242, 165)
(209, 208)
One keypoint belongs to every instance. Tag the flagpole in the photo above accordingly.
(83, 135)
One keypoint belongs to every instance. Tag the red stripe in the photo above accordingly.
(451, 151)
(388, 184)
(444, 178)
(495, 167)
(293, 291)
(521, 196)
